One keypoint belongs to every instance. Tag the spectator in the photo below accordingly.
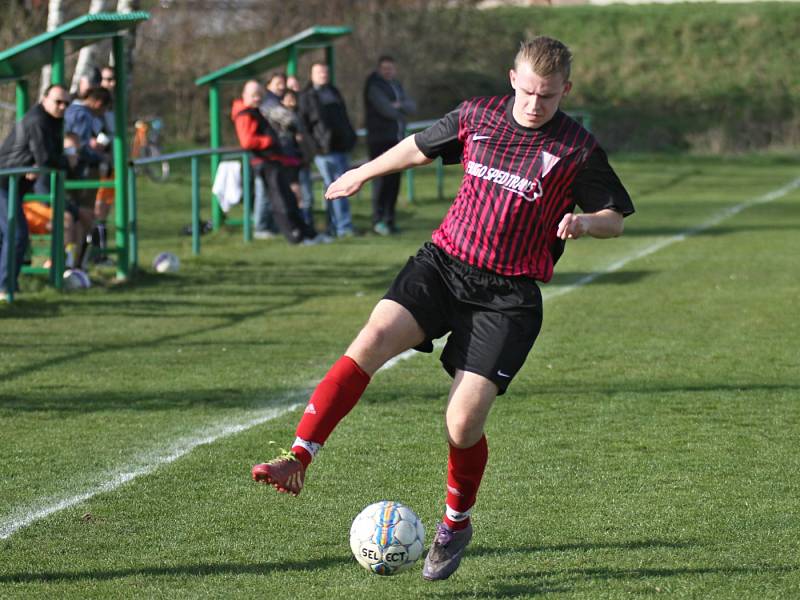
(269, 161)
(37, 140)
(324, 116)
(387, 106)
(87, 121)
(293, 83)
(77, 220)
(304, 172)
(276, 88)
(85, 83)
(283, 117)
(108, 81)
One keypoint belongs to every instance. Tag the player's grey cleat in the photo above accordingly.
(446, 551)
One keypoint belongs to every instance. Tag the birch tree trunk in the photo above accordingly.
(89, 56)
(126, 6)
(55, 18)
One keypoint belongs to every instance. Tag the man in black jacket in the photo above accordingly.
(324, 116)
(387, 106)
(38, 141)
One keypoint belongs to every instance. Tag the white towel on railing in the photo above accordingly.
(228, 184)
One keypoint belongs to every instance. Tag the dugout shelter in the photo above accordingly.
(20, 62)
(285, 53)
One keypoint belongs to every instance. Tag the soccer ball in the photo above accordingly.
(75, 279)
(387, 537)
(166, 262)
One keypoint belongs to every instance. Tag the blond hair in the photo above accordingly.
(546, 56)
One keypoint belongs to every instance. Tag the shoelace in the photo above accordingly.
(444, 535)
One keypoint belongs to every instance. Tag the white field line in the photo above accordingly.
(146, 464)
(29, 515)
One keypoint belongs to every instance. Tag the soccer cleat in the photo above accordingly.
(446, 551)
(285, 473)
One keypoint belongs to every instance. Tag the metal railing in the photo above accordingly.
(194, 156)
(56, 198)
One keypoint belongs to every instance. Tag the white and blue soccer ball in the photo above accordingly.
(166, 262)
(387, 537)
(75, 279)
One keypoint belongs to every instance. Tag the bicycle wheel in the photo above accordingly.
(157, 171)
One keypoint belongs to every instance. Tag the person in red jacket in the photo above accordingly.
(269, 163)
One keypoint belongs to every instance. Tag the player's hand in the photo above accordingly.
(572, 227)
(347, 185)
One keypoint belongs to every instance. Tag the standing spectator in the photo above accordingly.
(257, 135)
(37, 140)
(324, 116)
(293, 83)
(108, 81)
(275, 89)
(292, 136)
(387, 106)
(87, 121)
(304, 172)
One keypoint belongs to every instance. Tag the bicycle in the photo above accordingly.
(146, 144)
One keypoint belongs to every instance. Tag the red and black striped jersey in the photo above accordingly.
(518, 184)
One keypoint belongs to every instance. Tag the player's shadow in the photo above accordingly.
(196, 570)
(534, 582)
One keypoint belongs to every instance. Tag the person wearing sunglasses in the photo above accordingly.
(37, 141)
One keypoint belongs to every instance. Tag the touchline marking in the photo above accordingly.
(293, 400)
(22, 518)
(550, 293)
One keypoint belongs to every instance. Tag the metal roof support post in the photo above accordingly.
(57, 63)
(22, 98)
(57, 241)
(11, 254)
(330, 58)
(133, 210)
(216, 142)
(291, 63)
(121, 156)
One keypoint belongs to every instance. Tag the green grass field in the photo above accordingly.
(648, 447)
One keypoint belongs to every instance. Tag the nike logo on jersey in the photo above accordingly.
(477, 138)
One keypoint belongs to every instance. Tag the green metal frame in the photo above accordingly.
(57, 239)
(194, 156)
(286, 52)
(51, 47)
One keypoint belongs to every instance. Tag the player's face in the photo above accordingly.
(536, 98)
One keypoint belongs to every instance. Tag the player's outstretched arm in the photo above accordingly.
(605, 223)
(402, 156)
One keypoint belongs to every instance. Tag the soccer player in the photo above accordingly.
(526, 166)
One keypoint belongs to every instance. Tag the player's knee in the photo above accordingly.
(463, 431)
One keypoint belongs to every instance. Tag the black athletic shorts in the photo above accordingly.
(492, 320)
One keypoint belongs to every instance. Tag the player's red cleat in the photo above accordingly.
(285, 473)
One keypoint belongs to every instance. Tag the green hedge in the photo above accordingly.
(705, 77)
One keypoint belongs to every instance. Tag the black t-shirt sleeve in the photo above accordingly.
(441, 139)
(597, 187)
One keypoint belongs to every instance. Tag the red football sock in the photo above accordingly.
(465, 468)
(334, 397)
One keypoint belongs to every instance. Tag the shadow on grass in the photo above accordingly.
(55, 399)
(535, 582)
(198, 570)
(229, 320)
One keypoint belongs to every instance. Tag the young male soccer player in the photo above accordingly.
(526, 166)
